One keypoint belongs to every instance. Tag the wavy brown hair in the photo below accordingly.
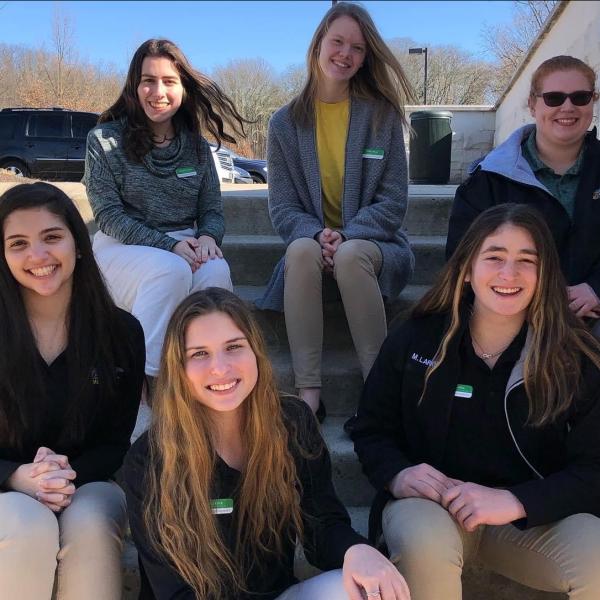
(204, 105)
(381, 76)
(559, 339)
(177, 512)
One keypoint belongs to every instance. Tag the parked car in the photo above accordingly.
(241, 176)
(255, 166)
(223, 163)
(44, 143)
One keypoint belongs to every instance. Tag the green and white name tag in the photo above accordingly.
(463, 391)
(221, 506)
(185, 172)
(376, 153)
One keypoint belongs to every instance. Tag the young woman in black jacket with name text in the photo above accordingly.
(479, 421)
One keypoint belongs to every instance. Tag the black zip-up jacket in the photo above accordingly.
(394, 431)
(327, 530)
(505, 176)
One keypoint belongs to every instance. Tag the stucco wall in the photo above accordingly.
(576, 31)
(472, 135)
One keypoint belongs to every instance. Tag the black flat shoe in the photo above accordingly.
(321, 412)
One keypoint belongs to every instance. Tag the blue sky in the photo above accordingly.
(212, 33)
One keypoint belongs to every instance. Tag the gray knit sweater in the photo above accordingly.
(138, 203)
(375, 190)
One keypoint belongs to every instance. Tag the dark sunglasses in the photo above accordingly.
(579, 98)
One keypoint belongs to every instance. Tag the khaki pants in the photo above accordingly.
(82, 547)
(356, 266)
(430, 549)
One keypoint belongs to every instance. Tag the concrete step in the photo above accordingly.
(352, 487)
(246, 212)
(253, 257)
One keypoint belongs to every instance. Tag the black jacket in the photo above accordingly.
(327, 530)
(505, 176)
(108, 431)
(394, 431)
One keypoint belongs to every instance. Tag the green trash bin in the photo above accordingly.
(430, 147)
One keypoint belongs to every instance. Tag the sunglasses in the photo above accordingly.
(579, 98)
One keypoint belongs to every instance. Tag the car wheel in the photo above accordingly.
(16, 167)
(257, 178)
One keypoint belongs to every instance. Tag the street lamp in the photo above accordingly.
(422, 51)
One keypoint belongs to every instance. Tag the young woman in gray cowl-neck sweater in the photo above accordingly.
(154, 190)
(338, 192)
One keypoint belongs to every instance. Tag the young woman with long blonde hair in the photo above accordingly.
(338, 192)
(479, 421)
(229, 476)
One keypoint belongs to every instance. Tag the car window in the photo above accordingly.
(46, 125)
(8, 126)
(82, 124)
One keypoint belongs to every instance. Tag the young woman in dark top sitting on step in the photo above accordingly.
(479, 423)
(71, 371)
(229, 476)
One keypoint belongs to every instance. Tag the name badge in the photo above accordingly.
(185, 172)
(221, 506)
(463, 391)
(375, 153)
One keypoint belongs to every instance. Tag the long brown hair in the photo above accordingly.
(559, 339)
(204, 104)
(96, 342)
(182, 457)
(380, 77)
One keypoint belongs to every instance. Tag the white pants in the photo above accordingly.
(150, 283)
(326, 586)
(78, 553)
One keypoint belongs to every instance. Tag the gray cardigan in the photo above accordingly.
(137, 203)
(375, 191)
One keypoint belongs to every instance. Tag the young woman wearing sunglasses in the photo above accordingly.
(553, 165)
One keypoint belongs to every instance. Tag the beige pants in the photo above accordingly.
(356, 266)
(430, 549)
(326, 586)
(82, 547)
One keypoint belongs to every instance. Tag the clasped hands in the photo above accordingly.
(470, 504)
(49, 479)
(329, 240)
(197, 251)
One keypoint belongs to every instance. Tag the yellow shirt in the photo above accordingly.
(332, 131)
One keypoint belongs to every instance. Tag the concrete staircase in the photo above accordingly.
(252, 249)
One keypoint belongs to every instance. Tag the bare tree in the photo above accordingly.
(292, 81)
(24, 81)
(510, 42)
(454, 76)
(254, 89)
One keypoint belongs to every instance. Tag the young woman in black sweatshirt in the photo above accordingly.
(229, 476)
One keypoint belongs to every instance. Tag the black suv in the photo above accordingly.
(45, 143)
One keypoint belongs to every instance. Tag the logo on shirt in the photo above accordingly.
(596, 194)
(424, 361)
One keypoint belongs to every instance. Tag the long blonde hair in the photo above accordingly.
(381, 76)
(178, 513)
(552, 369)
